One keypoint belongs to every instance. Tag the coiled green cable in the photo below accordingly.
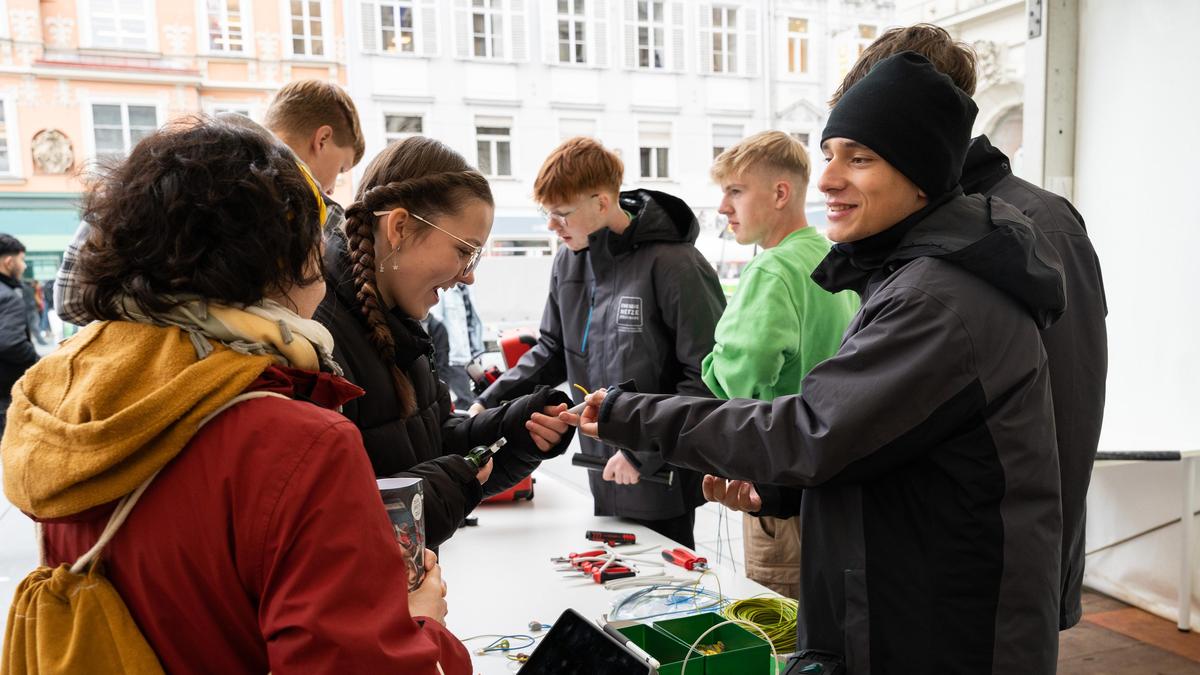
(776, 616)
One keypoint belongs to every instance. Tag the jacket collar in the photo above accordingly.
(985, 237)
(324, 389)
(985, 166)
(9, 281)
(851, 265)
(412, 342)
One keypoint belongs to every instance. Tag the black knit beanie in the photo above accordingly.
(912, 116)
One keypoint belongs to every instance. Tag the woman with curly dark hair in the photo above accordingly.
(208, 397)
(418, 223)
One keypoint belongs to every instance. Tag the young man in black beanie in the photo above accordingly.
(1077, 344)
(925, 447)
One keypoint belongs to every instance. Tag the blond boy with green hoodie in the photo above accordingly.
(779, 323)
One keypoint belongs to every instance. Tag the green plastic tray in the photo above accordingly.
(745, 653)
(665, 649)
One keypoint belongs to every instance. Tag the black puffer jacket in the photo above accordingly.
(16, 350)
(426, 444)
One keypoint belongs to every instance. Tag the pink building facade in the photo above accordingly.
(86, 79)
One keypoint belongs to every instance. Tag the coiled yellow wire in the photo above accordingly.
(776, 616)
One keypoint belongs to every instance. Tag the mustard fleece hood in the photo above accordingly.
(116, 403)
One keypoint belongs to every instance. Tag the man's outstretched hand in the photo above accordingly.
(738, 495)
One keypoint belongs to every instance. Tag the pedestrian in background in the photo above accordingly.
(464, 333)
(16, 349)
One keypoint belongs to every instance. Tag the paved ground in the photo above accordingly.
(1116, 639)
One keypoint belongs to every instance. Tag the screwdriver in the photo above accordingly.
(611, 538)
(685, 559)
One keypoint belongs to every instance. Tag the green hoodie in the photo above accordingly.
(779, 324)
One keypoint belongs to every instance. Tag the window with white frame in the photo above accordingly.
(493, 141)
(651, 35)
(308, 27)
(6, 154)
(866, 35)
(654, 147)
(797, 46)
(225, 26)
(397, 34)
(118, 24)
(397, 127)
(487, 29)
(572, 31)
(801, 136)
(725, 136)
(117, 127)
(724, 40)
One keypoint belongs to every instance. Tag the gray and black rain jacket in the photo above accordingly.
(640, 306)
(924, 451)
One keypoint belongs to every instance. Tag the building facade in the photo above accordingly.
(997, 30)
(667, 85)
(84, 80)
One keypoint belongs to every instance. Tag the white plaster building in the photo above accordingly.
(997, 30)
(665, 84)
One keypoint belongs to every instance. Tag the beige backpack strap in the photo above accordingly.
(128, 501)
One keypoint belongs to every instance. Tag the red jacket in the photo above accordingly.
(264, 546)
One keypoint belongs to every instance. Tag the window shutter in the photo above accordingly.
(549, 25)
(426, 24)
(370, 25)
(749, 41)
(678, 58)
(631, 38)
(518, 47)
(598, 37)
(705, 31)
(462, 29)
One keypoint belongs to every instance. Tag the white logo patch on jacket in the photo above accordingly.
(629, 314)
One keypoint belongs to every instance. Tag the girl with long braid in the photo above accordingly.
(418, 223)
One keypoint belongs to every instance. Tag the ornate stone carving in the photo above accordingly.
(52, 152)
(178, 37)
(23, 24)
(988, 69)
(60, 29)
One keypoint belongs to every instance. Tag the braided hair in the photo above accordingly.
(421, 175)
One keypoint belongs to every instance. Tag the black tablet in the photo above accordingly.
(576, 646)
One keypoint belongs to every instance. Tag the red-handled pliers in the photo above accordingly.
(685, 559)
(612, 573)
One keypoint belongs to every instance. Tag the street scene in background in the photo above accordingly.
(656, 196)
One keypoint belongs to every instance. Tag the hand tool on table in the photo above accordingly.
(611, 538)
(570, 557)
(479, 455)
(685, 559)
(612, 573)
